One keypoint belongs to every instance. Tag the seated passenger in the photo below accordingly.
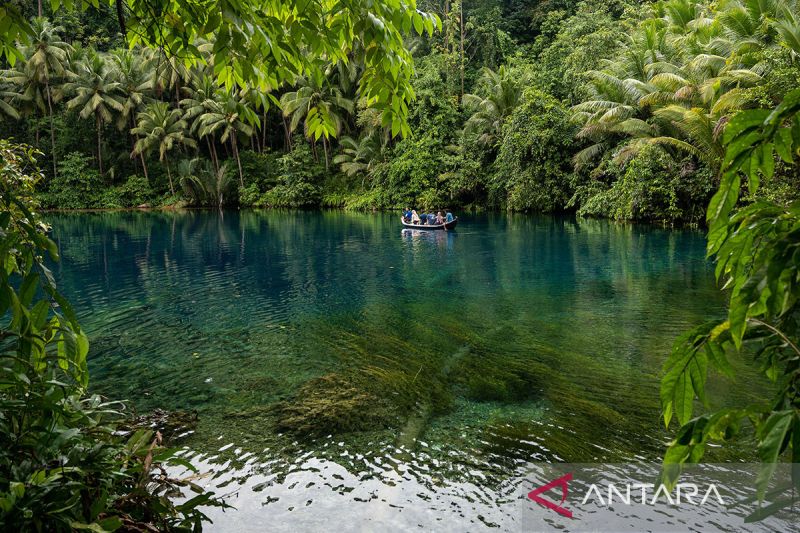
(439, 218)
(407, 214)
(448, 217)
(431, 219)
(414, 217)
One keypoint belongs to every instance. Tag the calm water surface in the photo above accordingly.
(349, 373)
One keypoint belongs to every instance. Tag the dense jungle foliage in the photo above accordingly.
(612, 108)
(636, 111)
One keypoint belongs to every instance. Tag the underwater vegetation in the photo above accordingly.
(516, 338)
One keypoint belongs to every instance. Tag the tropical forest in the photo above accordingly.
(383, 264)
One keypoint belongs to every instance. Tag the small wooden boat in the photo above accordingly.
(447, 226)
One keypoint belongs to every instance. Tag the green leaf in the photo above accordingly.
(774, 435)
(743, 122)
(418, 23)
(783, 144)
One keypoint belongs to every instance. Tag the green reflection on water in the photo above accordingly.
(516, 338)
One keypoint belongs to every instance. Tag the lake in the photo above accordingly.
(347, 372)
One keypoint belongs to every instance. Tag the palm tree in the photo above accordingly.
(202, 99)
(204, 184)
(360, 157)
(161, 128)
(136, 82)
(228, 116)
(321, 107)
(47, 60)
(96, 92)
(680, 79)
(167, 71)
(489, 112)
(10, 98)
(23, 94)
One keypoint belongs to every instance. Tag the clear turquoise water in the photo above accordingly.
(332, 356)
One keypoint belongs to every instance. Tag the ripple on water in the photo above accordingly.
(441, 365)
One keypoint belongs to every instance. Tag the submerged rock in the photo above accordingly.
(336, 403)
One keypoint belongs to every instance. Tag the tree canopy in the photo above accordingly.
(266, 44)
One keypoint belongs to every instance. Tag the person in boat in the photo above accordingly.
(448, 217)
(407, 214)
(439, 218)
(431, 219)
(414, 217)
(423, 218)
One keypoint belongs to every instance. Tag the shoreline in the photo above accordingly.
(660, 224)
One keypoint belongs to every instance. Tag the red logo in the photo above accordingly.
(560, 482)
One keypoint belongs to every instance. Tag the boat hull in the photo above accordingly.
(448, 226)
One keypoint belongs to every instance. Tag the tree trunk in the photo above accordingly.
(99, 142)
(213, 153)
(52, 128)
(40, 8)
(447, 28)
(288, 135)
(235, 149)
(264, 132)
(461, 19)
(169, 176)
(325, 147)
(144, 168)
(120, 19)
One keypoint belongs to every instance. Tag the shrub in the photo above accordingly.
(299, 180)
(77, 186)
(135, 191)
(533, 171)
(653, 186)
(299, 194)
(260, 169)
(66, 461)
(249, 195)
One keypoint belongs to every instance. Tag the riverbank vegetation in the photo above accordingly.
(68, 460)
(609, 108)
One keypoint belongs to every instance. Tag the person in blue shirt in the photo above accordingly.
(431, 219)
(448, 217)
(407, 214)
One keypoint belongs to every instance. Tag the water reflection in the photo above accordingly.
(327, 339)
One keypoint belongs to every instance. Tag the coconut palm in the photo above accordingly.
(202, 99)
(96, 92)
(498, 95)
(320, 105)
(163, 129)
(9, 100)
(360, 156)
(24, 95)
(47, 60)
(168, 72)
(135, 85)
(227, 117)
